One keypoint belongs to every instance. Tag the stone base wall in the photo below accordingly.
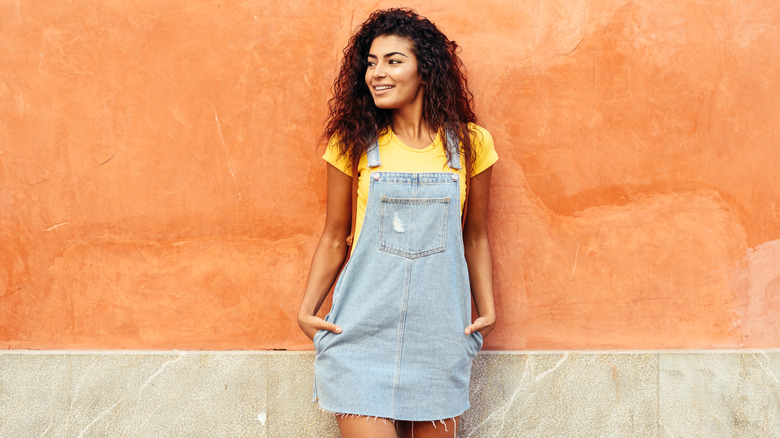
(268, 394)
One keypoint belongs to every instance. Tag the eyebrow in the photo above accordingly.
(370, 55)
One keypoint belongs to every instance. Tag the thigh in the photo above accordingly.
(428, 429)
(352, 426)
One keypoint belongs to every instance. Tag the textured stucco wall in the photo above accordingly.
(161, 187)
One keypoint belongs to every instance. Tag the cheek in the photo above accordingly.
(407, 77)
(415, 80)
(414, 76)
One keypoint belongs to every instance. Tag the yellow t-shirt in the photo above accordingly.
(398, 157)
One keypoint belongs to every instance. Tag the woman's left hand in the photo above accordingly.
(484, 325)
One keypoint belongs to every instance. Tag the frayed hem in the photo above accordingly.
(443, 422)
(367, 417)
(350, 415)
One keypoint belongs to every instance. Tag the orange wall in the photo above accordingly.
(161, 187)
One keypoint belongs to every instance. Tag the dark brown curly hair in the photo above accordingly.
(353, 119)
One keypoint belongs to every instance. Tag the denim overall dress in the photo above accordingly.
(403, 301)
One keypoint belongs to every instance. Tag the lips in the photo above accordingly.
(382, 89)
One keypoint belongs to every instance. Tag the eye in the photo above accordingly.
(370, 63)
(394, 61)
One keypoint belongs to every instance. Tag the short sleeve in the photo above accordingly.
(332, 156)
(484, 149)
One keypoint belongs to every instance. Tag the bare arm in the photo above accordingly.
(478, 256)
(329, 255)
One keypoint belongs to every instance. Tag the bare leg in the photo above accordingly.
(352, 426)
(428, 429)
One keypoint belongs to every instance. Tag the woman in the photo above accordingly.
(398, 342)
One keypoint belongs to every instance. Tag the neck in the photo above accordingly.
(410, 125)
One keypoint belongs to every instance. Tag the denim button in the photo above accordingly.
(376, 177)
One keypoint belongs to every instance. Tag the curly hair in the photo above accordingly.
(354, 122)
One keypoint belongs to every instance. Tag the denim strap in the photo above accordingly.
(373, 155)
(453, 150)
(374, 159)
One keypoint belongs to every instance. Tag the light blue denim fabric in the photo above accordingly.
(403, 301)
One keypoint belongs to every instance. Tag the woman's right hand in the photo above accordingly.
(311, 324)
(329, 256)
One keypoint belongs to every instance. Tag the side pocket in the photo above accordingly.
(317, 338)
(476, 342)
(480, 340)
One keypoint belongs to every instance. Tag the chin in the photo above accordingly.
(383, 105)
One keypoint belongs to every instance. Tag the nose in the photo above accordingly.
(379, 71)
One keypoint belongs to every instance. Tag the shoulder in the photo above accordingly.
(334, 156)
(485, 154)
(480, 136)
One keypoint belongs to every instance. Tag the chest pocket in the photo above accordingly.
(412, 227)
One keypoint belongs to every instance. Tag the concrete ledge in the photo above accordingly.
(267, 394)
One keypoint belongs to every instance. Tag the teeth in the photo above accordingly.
(383, 87)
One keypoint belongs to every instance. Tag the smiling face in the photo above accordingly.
(392, 76)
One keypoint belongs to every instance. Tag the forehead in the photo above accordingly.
(385, 44)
